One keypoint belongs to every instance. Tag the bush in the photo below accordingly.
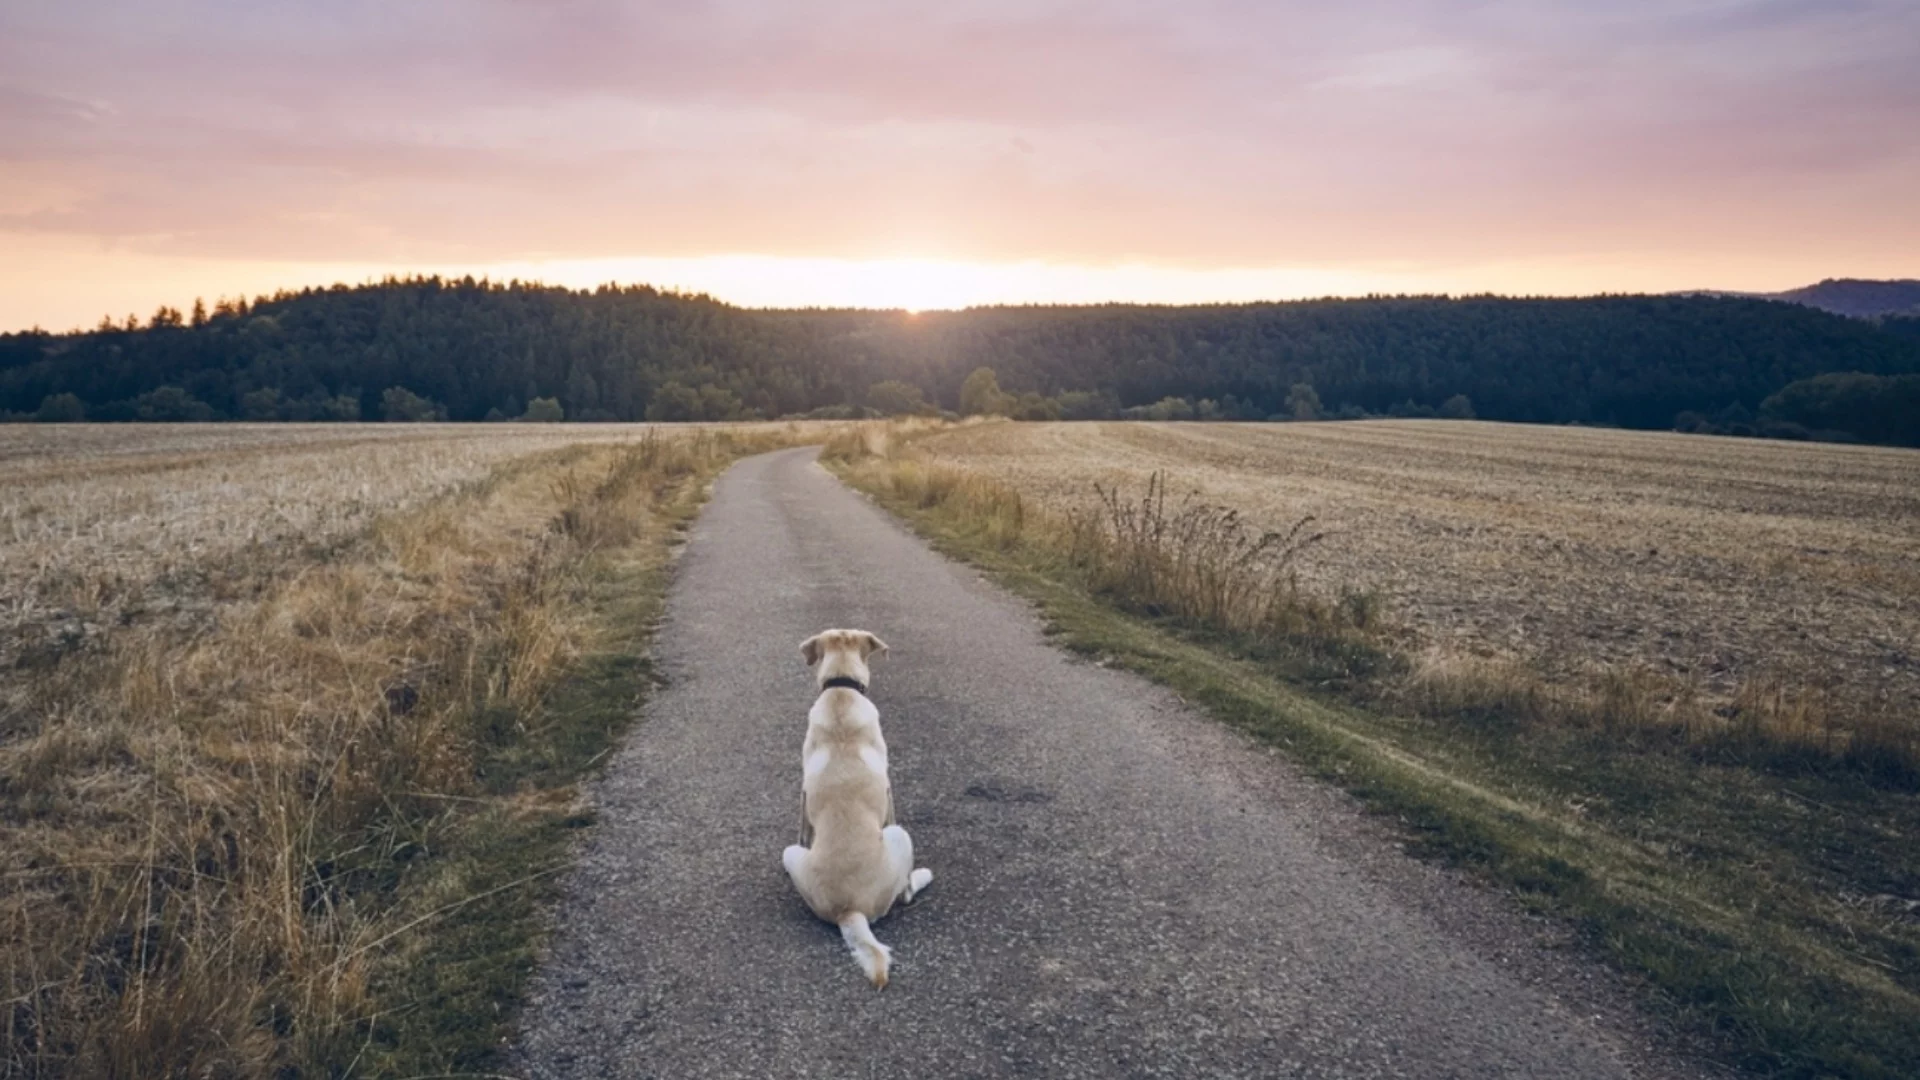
(1457, 407)
(1167, 408)
(1876, 408)
(400, 404)
(61, 409)
(544, 410)
(1088, 405)
(1031, 406)
(678, 403)
(342, 407)
(980, 394)
(262, 405)
(834, 412)
(1303, 402)
(171, 404)
(895, 398)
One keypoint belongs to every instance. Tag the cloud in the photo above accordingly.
(1208, 133)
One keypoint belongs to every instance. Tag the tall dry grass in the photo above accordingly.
(1193, 558)
(1185, 559)
(207, 843)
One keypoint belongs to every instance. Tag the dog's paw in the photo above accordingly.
(916, 882)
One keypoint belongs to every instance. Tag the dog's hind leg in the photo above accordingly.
(793, 859)
(900, 859)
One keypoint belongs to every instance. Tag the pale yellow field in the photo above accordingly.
(102, 524)
(1714, 560)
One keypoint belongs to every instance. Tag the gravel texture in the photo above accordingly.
(1122, 888)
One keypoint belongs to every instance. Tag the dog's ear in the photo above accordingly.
(810, 649)
(872, 644)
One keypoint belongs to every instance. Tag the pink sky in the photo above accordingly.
(929, 155)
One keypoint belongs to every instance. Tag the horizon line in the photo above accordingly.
(506, 281)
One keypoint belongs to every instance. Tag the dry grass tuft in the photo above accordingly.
(1197, 560)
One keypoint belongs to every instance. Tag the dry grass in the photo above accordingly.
(1715, 561)
(1733, 591)
(213, 841)
(1742, 844)
(106, 524)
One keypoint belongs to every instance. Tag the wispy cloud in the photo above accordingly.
(1432, 133)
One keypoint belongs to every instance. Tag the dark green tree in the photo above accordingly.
(400, 404)
(544, 410)
(895, 398)
(61, 409)
(1302, 402)
(980, 394)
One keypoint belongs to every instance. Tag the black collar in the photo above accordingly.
(846, 681)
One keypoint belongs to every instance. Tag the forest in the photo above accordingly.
(431, 348)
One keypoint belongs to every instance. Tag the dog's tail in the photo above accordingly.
(867, 950)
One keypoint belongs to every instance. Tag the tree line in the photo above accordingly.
(460, 349)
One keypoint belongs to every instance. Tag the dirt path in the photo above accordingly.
(1122, 887)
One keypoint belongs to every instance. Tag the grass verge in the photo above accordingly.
(313, 840)
(1758, 885)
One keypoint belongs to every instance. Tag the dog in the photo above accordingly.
(852, 863)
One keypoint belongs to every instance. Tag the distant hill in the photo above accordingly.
(470, 350)
(1857, 297)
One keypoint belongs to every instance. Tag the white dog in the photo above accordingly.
(852, 863)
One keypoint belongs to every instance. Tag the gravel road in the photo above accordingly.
(1122, 888)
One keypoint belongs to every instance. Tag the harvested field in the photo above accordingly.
(102, 525)
(1658, 685)
(1718, 561)
(330, 688)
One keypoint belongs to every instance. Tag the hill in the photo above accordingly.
(466, 350)
(1858, 298)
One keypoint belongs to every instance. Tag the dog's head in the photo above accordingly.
(837, 654)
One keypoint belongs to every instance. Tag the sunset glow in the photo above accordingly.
(922, 156)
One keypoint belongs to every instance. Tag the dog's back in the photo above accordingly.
(859, 863)
(845, 785)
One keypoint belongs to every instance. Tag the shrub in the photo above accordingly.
(544, 410)
(171, 404)
(1873, 407)
(1032, 406)
(895, 398)
(1303, 402)
(1167, 408)
(264, 404)
(980, 394)
(400, 404)
(61, 409)
(1088, 405)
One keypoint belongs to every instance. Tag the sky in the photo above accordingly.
(899, 154)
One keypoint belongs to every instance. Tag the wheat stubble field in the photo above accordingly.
(1715, 561)
(108, 525)
(290, 723)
